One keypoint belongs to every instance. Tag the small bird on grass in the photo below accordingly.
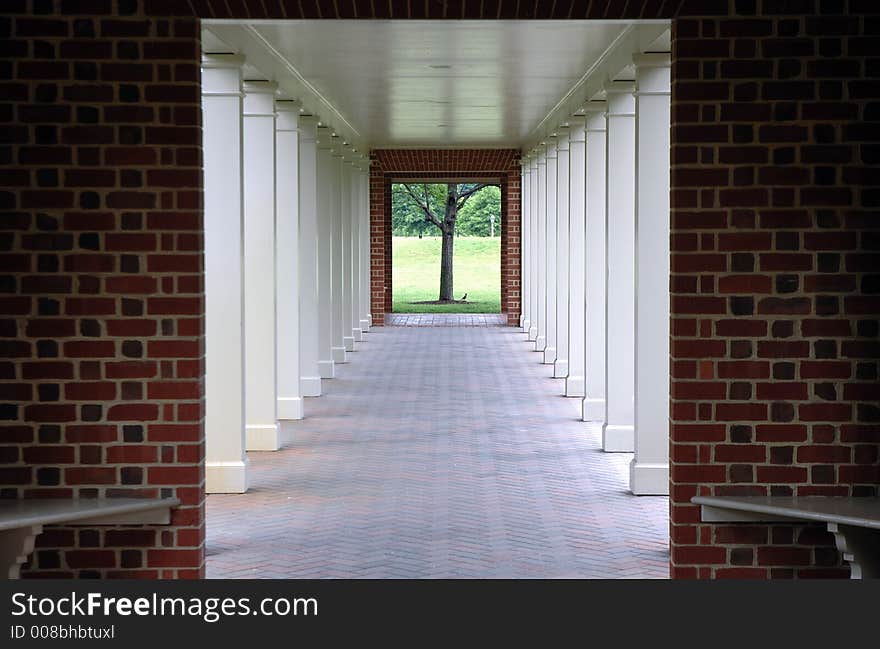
(464, 297)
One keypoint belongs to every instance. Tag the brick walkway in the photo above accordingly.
(445, 319)
(441, 452)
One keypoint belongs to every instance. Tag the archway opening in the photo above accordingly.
(446, 247)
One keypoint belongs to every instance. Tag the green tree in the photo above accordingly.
(475, 218)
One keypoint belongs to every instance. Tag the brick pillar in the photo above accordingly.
(377, 244)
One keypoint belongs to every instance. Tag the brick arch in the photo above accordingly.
(394, 165)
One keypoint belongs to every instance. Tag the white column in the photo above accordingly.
(550, 254)
(290, 403)
(346, 258)
(617, 432)
(337, 342)
(540, 314)
(574, 381)
(649, 470)
(310, 376)
(226, 462)
(525, 243)
(533, 246)
(259, 267)
(326, 366)
(594, 390)
(560, 366)
(366, 317)
(355, 215)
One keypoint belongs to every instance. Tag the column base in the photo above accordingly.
(647, 479)
(574, 386)
(549, 355)
(533, 332)
(593, 409)
(370, 320)
(262, 437)
(310, 386)
(226, 477)
(357, 334)
(348, 343)
(365, 325)
(540, 343)
(290, 408)
(560, 368)
(286, 431)
(618, 438)
(338, 354)
(326, 369)
(525, 325)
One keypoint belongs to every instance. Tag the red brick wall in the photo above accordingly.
(464, 165)
(774, 275)
(774, 239)
(101, 267)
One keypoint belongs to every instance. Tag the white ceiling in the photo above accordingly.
(429, 83)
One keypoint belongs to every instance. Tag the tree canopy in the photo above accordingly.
(474, 218)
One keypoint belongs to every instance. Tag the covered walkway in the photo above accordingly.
(442, 452)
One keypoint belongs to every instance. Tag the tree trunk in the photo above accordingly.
(448, 234)
(446, 264)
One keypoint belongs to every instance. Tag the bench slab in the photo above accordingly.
(854, 522)
(21, 521)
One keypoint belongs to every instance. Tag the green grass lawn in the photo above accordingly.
(416, 274)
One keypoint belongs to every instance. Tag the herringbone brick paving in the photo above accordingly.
(446, 319)
(439, 452)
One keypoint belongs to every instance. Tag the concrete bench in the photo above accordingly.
(21, 521)
(854, 522)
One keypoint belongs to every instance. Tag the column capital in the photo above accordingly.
(653, 74)
(595, 112)
(541, 154)
(552, 142)
(653, 60)
(259, 86)
(576, 125)
(620, 102)
(222, 60)
(562, 138)
(287, 115)
(221, 75)
(308, 127)
(336, 148)
(259, 98)
(323, 137)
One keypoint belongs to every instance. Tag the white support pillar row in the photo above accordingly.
(226, 463)
(525, 243)
(594, 390)
(540, 314)
(346, 232)
(550, 252)
(337, 341)
(355, 214)
(574, 382)
(533, 246)
(326, 366)
(289, 402)
(617, 432)
(261, 388)
(310, 376)
(560, 366)
(364, 218)
(649, 470)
